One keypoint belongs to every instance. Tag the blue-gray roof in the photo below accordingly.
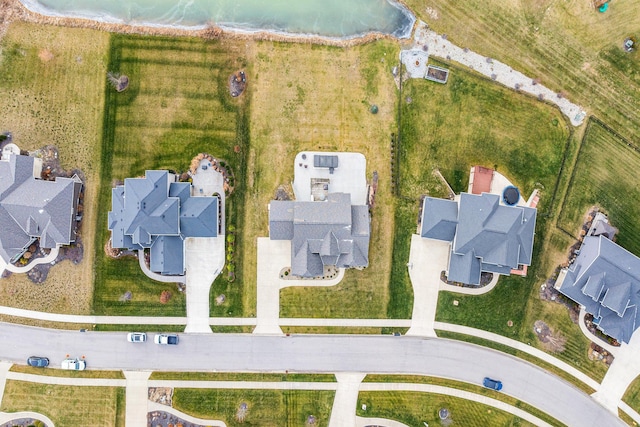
(439, 219)
(167, 255)
(485, 235)
(159, 213)
(32, 208)
(331, 232)
(605, 279)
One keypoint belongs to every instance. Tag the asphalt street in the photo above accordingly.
(313, 353)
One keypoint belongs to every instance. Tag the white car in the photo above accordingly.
(74, 364)
(166, 339)
(136, 337)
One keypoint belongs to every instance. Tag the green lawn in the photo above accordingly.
(605, 175)
(568, 45)
(67, 405)
(177, 105)
(414, 409)
(632, 395)
(477, 389)
(473, 121)
(318, 98)
(266, 408)
(234, 376)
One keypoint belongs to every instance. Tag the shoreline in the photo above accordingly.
(15, 10)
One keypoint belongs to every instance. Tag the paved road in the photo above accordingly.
(314, 353)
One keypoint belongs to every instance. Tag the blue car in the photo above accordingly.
(38, 362)
(492, 384)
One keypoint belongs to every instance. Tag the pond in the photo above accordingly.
(324, 18)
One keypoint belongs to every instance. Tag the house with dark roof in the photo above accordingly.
(34, 209)
(605, 279)
(485, 235)
(332, 232)
(158, 213)
(329, 223)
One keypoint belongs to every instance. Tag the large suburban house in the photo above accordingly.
(34, 209)
(158, 213)
(329, 223)
(605, 279)
(485, 234)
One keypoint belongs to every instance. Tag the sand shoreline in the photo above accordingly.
(14, 10)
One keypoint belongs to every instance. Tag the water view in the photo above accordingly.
(327, 18)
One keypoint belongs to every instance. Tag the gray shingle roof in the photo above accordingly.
(439, 219)
(485, 235)
(605, 279)
(158, 213)
(331, 232)
(32, 208)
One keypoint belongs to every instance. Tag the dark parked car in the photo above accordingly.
(38, 362)
(492, 384)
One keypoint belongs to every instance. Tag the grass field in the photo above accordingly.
(67, 405)
(568, 45)
(477, 389)
(52, 89)
(90, 373)
(318, 98)
(608, 181)
(472, 121)
(632, 395)
(177, 105)
(233, 376)
(414, 409)
(266, 408)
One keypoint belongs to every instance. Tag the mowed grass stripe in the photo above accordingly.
(605, 175)
(170, 113)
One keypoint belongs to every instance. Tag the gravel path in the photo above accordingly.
(438, 45)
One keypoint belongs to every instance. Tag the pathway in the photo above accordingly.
(153, 406)
(344, 403)
(438, 45)
(624, 369)
(155, 276)
(137, 395)
(468, 290)
(427, 259)
(367, 422)
(24, 269)
(5, 417)
(599, 341)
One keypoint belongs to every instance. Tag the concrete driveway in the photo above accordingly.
(427, 259)
(204, 258)
(273, 256)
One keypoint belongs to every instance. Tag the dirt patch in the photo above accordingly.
(551, 340)
(45, 55)
(237, 83)
(162, 395)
